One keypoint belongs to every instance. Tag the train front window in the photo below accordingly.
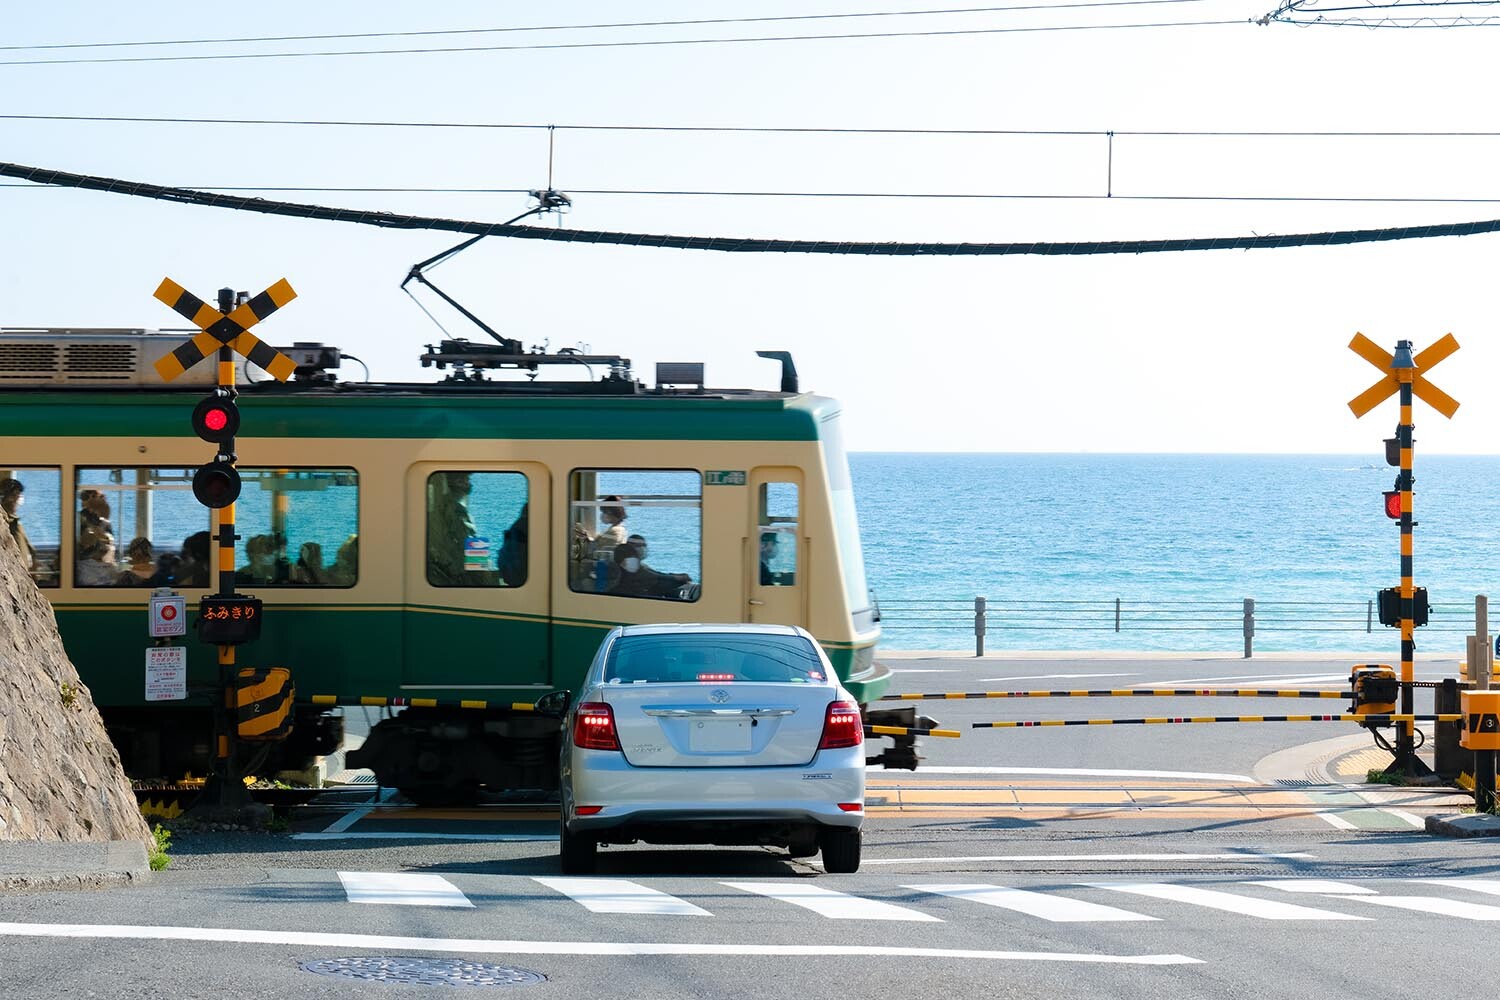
(31, 512)
(636, 533)
(476, 529)
(139, 527)
(777, 528)
(297, 528)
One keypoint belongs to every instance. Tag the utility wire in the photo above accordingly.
(585, 27)
(756, 129)
(884, 195)
(612, 45)
(387, 220)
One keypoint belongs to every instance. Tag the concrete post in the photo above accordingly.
(1249, 626)
(979, 605)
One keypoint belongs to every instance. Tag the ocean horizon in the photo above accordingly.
(1054, 540)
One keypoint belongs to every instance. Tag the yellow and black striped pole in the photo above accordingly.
(1404, 367)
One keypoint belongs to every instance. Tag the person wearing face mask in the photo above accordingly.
(635, 579)
(12, 495)
(261, 551)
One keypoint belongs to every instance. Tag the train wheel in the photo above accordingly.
(579, 854)
(840, 850)
(436, 796)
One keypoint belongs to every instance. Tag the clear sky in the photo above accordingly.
(1220, 351)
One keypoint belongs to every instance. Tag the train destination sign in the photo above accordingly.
(231, 329)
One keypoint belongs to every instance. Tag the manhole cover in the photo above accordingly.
(423, 971)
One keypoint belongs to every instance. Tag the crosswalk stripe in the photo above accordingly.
(1488, 886)
(831, 904)
(402, 889)
(1058, 909)
(1322, 886)
(1248, 906)
(618, 895)
(1432, 904)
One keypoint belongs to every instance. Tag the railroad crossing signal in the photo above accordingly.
(1391, 382)
(225, 329)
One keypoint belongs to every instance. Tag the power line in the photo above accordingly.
(612, 45)
(879, 195)
(584, 27)
(758, 129)
(388, 220)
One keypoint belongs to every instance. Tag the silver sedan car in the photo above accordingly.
(713, 734)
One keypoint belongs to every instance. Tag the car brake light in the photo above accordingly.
(842, 726)
(594, 727)
(716, 677)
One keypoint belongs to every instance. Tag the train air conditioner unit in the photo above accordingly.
(99, 357)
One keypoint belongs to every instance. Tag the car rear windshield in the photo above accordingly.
(713, 657)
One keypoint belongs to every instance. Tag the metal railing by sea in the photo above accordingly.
(1217, 621)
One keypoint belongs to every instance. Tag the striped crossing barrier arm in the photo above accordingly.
(376, 702)
(1173, 721)
(952, 734)
(1124, 693)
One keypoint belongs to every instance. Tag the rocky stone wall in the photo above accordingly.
(60, 777)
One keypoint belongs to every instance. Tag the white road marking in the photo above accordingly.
(1050, 677)
(402, 889)
(1085, 772)
(1321, 886)
(382, 942)
(1248, 906)
(618, 895)
(1058, 909)
(1444, 907)
(1485, 885)
(831, 904)
(523, 838)
(904, 670)
(1335, 820)
(1084, 858)
(353, 816)
(1411, 818)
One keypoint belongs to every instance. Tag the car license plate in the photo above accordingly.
(720, 735)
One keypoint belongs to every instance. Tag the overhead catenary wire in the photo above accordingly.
(387, 220)
(784, 129)
(696, 22)
(622, 44)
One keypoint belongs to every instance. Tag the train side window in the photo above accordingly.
(636, 533)
(777, 527)
(31, 511)
(476, 529)
(297, 528)
(139, 527)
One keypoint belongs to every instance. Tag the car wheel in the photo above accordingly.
(579, 854)
(840, 850)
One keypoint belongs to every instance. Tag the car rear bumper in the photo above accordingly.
(707, 797)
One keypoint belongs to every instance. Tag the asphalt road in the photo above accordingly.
(1139, 861)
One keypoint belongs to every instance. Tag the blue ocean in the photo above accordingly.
(1179, 541)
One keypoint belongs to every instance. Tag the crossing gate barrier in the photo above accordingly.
(1382, 720)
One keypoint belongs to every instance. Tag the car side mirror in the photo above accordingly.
(554, 703)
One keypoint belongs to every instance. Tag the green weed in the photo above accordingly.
(162, 842)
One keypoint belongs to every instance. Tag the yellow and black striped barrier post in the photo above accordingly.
(1122, 693)
(377, 701)
(951, 734)
(1194, 719)
(1404, 375)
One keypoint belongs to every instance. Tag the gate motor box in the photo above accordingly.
(1375, 687)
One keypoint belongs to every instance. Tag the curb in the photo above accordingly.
(1470, 825)
(39, 866)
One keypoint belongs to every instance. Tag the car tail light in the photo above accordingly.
(588, 810)
(852, 807)
(842, 726)
(594, 727)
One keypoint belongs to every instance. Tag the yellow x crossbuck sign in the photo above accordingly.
(221, 329)
(1420, 387)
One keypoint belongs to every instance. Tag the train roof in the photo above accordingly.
(47, 372)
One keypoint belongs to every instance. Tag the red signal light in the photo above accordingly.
(1393, 504)
(216, 419)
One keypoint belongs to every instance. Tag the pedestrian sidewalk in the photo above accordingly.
(32, 865)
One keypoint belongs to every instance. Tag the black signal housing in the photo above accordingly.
(216, 418)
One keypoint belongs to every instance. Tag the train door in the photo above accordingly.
(777, 565)
(477, 578)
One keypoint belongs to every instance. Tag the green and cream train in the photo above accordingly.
(441, 545)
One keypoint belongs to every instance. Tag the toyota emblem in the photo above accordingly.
(718, 696)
